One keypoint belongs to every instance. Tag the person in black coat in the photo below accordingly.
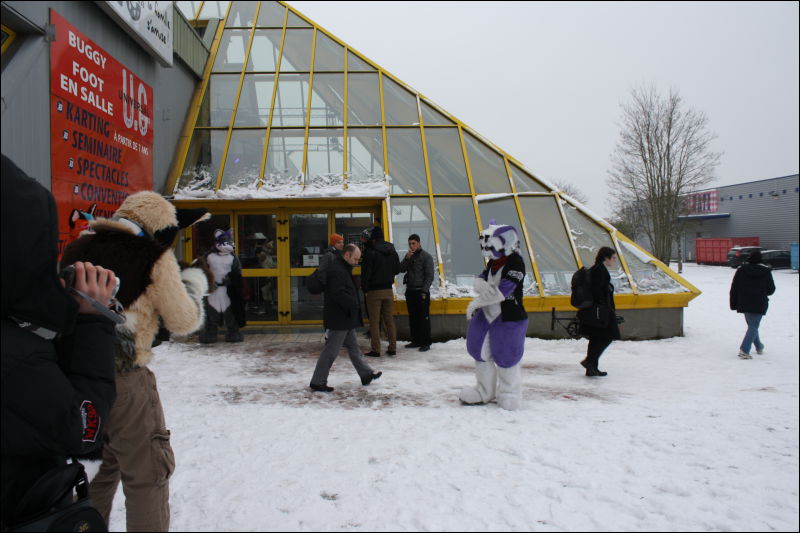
(342, 315)
(381, 264)
(750, 291)
(599, 322)
(57, 352)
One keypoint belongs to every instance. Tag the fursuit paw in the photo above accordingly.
(470, 396)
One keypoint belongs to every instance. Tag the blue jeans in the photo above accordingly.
(751, 336)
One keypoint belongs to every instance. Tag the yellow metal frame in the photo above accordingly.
(528, 241)
(11, 36)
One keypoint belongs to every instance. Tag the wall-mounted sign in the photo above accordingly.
(149, 23)
(101, 130)
(702, 202)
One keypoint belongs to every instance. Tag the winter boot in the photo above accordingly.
(232, 333)
(320, 388)
(595, 372)
(209, 334)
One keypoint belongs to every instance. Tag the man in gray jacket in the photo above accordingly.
(418, 266)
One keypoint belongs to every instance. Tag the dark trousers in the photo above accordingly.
(419, 320)
(598, 343)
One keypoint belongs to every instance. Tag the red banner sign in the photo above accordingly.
(101, 130)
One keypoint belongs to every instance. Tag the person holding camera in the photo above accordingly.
(57, 349)
(599, 322)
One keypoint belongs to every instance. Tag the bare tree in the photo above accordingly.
(571, 190)
(663, 153)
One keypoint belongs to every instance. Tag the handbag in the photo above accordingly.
(49, 505)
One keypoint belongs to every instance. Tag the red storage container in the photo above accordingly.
(715, 251)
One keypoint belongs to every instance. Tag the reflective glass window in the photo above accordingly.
(589, 237)
(364, 154)
(524, 182)
(284, 157)
(325, 157)
(204, 113)
(222, 92)
(458, 242)
(488, 170)
(648, 277)
(504, 211)
(260, 295)
(308, 238)
(399, 105)
(363, 100)
(271, 15)
(213, 10)
(305, 306)
(254, 100)
(327, 100)
(431, 117)
(202, 161)
(265, 51)
(241, 14)
(329, 55)
(296, 22)
(297, 51)
(243, 162)
(406, 165)
(203, 233)
(350, 225)
(446, 161)
(257, 241)
(413, 216)
(291, 100)
(355, 63)
(232, 51)
(551, 245)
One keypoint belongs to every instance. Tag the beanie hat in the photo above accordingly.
(755, 257)
(334, 238)
(377, 233)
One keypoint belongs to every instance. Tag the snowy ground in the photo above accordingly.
(681, 436)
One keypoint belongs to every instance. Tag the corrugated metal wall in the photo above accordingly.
(26, 87)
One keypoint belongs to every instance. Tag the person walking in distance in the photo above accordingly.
(378, 270)
(599, 322)
(342, 316)
(750, 291)
(418, 266)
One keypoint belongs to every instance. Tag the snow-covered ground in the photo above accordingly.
(681, 435)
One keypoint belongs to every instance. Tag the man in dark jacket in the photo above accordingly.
(418, 266)
(752, 285)
(57, 353)
(599, 322)
(342, 316)
(381, 264)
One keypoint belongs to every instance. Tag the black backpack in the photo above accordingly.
(581, 285)
(315, 282)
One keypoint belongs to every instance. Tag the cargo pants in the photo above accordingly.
(380, 305)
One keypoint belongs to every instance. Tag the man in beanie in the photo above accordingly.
(752, 285)
(381, 264)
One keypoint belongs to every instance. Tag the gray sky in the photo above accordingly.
(543, 81)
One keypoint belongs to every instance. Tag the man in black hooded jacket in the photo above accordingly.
(57, 354)
(381, 264)
(750, 291)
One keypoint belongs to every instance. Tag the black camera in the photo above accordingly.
(68, 275)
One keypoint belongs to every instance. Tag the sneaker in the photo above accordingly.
(372, 354)
(369, 379)
(321, 388)
(425, 348)
(413, 345)
(760, 351)
(743, 355)
(391, 353)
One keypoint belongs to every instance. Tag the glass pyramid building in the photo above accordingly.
(289, 121)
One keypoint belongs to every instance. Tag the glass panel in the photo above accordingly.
(305, 306)
(458, 242)
(284, 157)
(327, 100)
(260, 299)
(488, 170)
(325, 158)
(213, 10)
(446, 161)
(551, 246)
(524, 182)
(413, 216)
(363, 100)
(648, 277)
(291, 100)
(188, 9)
(203, 234)
(254, 100)
(204, 113)
(241, 14)
(297, 51)
(355, 63)
(202, 162)
(329, 54)
(399, 105)
(271, 15)
(296, 22)
(504, 211)
(431, 117)
(232, 50)
(243, 162)
(222, 91)
(406, 166)
(265, 50)
(365, 155)
(350, 225)
(308, 238)
(589, 237)
(257, 241)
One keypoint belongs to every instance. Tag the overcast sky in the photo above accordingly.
(544, 81)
